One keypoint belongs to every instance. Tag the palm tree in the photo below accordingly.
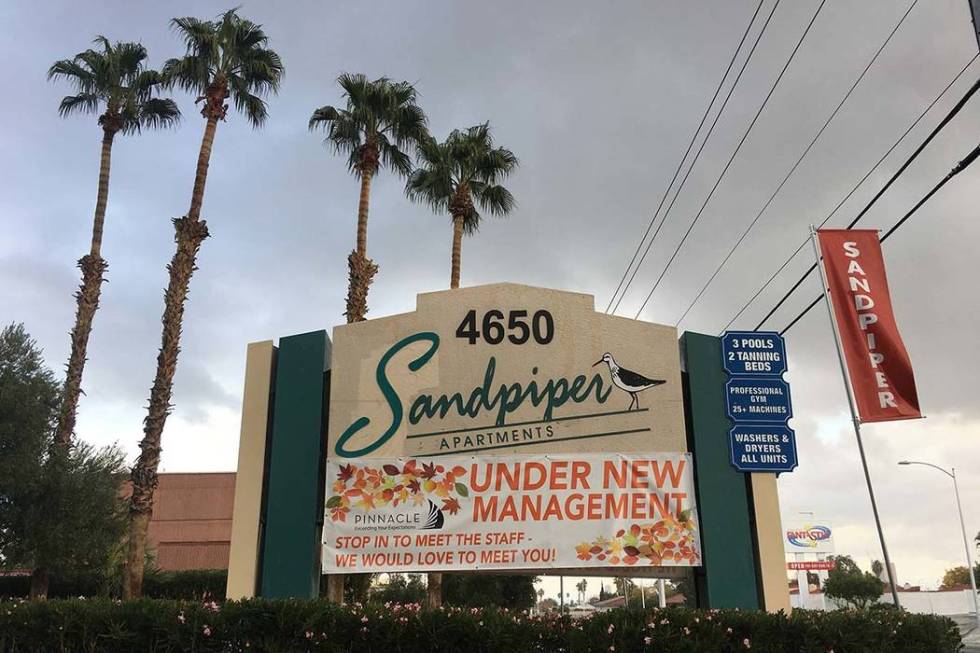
(225, 57)
(450, 176)
(113, 82)
(457, 175)
(381, 122)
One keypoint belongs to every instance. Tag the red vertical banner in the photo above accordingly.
(877, 361)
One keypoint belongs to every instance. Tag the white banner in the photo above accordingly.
(510, 512)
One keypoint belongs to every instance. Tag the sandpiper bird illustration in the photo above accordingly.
(628, 380)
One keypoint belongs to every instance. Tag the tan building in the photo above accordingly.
(191, 525)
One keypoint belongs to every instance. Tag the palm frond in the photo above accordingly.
(496, 164)
(144, 81)
(379, 114)
(251, 105)
(261, 68)
(128, 59)
(159, 113)
(465, 165)
(323, 116)
(496, 199)
(100, 66)
(73, 71)
(228, 50)
(198, 35)
(343, 130)
(104, 42)
(188, 73)
(81, 103)
(115, 78)
(471, 222)
(394, 158)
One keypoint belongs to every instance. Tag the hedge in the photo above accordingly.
(297, 625)
(191, 585)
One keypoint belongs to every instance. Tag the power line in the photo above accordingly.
(853, 190)
(956, 109)
(732, 158)
(957, 169)
(697, 155)
(798, 162)
(690, 145)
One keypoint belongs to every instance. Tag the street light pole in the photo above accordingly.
(966, 541)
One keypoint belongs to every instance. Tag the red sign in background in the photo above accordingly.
(877, 361)
(811, 565)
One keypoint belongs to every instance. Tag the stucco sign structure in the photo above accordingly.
(504, 369)
(492, 423)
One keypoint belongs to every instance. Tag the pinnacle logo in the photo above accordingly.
(435, 520)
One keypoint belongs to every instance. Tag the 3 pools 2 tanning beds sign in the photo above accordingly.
(514, 371)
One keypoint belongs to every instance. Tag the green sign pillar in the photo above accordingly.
(728, 577)
(294, 471)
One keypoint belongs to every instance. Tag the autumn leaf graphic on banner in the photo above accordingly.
(368, 488)
(670, 541)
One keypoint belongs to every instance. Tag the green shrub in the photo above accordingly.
(192, 584)
(296, 625)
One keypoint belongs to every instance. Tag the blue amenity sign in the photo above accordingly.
(754, 353)
(757, 400)
(764, 448)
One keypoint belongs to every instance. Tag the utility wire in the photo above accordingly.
(957, 169)
(680, 164)
(697, 155)
(956, 109)
(732, 158)
(853, 190)
(797, 164)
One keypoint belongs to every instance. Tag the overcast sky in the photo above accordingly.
(598, 101)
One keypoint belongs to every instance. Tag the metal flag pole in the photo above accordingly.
(854, 414)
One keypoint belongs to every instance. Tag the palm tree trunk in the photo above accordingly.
(93, 267)
(362, 212)
(39, 584)
(433, 594)
(190, 233)
(361, 269)
(457, 250)
(201, 175)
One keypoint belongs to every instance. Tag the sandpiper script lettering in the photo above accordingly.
(499, 400)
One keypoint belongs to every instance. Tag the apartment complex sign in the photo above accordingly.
(504, 369)
(511, 512)
(456, 431)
